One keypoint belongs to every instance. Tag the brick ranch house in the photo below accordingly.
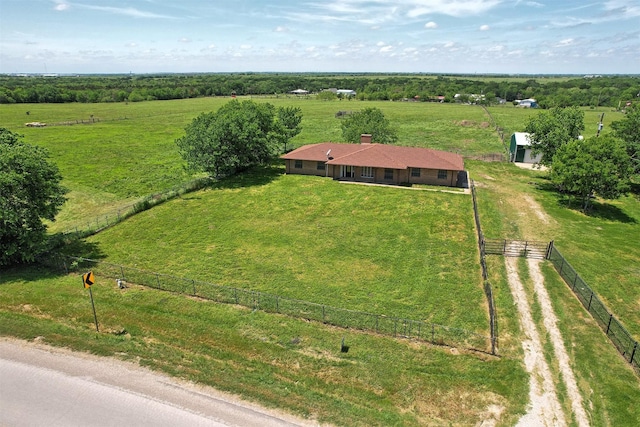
(377, 163)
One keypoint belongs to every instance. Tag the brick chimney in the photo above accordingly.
(365, 138)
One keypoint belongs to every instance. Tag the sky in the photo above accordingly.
(400, 36)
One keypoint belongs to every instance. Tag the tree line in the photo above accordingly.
(549, 91)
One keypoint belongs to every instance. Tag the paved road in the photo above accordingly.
(43, 386)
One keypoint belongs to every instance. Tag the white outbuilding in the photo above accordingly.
(520, 149)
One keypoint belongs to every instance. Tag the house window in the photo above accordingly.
(298, 164)
(367, 172)
(442, 174)
(320, 166)
(347, 171)
(415, 172)
(388, 174)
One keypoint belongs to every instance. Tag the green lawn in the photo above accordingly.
(392, 251)
(385, 250)
(130, 151)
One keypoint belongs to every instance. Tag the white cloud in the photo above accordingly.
(245, 46)
(497, 48)
(431, 25)
(565, 42)
(126, 11)
(626, 8)
(280, 29)
(484, 28)
(455, 8)
(62, 6)
(184, 40)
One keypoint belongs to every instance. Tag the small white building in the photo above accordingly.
(528, 103)
(520, 149)
(299, 92)
(346, 92)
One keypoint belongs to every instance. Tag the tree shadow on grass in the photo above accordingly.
(69, 254)
(600, 210)
(609, 212)
(27, 273)
(255, 176)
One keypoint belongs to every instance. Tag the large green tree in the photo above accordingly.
(30, 192)
(236, 137)
(628, 129)
(368, 121)
(289, 119)
(595, 166)
(549, 130)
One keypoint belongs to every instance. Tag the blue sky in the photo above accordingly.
(433, 36)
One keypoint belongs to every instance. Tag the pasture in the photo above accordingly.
(392, 251)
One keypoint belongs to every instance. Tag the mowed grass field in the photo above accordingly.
(129, 151)
(389, 251)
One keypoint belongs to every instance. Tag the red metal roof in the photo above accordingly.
(378, 156)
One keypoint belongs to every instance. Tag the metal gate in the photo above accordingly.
(516, 248)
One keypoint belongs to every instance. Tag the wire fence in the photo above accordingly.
(488, 290)
(501, 131)
(105, 220)
(255, 300)
(619, 336)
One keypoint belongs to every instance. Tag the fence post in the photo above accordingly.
(526, 245)
(549, 249)
(193, 283)
(609, 324)
(158, 280)
(589, 306)
(323, 312)
(504, 247)
(633, 352)
(122, 272)
(395, 326)
(561, 265)
(433, 333)
(277, 304)
(575, 279)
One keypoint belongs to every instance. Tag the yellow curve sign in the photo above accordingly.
(88, 279)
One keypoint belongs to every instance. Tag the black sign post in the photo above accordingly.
(87, 281)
